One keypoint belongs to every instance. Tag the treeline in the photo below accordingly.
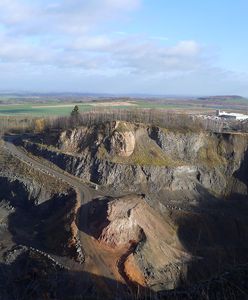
(18, 124)
(154, 117)
(162, 118)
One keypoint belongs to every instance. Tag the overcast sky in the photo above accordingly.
(175, 47)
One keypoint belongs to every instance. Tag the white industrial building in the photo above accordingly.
(234, 116)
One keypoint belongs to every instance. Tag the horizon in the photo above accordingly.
(114, 95)
(124, 47)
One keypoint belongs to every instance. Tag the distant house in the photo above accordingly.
(232, 116)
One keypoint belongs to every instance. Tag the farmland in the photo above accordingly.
(61, 106)
(58, 109)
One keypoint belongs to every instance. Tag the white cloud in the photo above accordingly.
(62, 34)
(103, 53)
(66, 16)
(13, 12)
(72, 41)
(185, 48)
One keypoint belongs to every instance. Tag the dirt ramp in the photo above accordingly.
(151, 251)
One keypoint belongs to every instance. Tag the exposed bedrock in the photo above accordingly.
(176, 248)
(152, 253)
(159, 159)
(22, 192)
(191, 221)
(35, 216)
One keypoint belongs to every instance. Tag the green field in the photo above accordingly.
(51, 107)
(40, 110)
(58, 109)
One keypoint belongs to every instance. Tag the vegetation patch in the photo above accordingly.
(146, 152)
(211, 154)
(122, 127)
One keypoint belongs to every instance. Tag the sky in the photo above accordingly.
(157, 47)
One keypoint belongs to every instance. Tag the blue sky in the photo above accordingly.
(124, 46)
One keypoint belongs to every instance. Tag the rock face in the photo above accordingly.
(122, 143)
(123, 228)
(35, 209)
(151, 243)
(135, 157)
(190, 222)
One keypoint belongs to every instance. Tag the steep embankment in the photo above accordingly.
(153, 254)
(35, 209)
(136, 157)
(192, 222)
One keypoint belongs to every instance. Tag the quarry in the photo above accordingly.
(123, 150)
(122, 209)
